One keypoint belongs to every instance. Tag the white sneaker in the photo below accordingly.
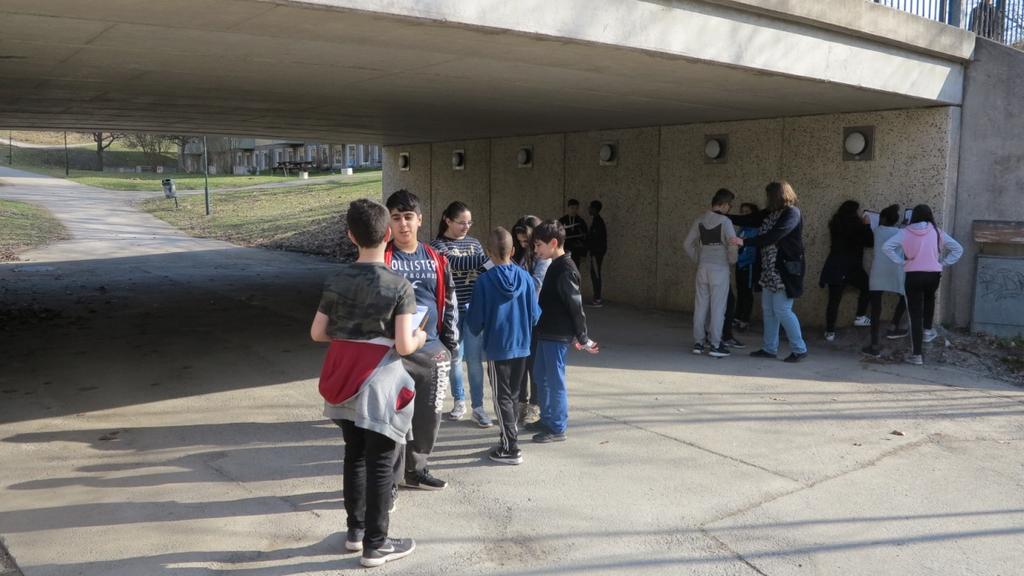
(830, 336)
(458, 411)
(862, 321)
(915, 359)
(481, 418)
(930, 335)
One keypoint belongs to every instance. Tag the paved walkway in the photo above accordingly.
(159, 415)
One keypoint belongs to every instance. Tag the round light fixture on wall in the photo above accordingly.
(524, 158)
(856, 143)
(403, 161)
(608, 153)
(713, 149)
(458, 159)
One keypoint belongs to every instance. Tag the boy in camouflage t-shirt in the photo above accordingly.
(366, 313)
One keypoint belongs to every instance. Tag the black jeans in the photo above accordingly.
(857, 279)
(528, 393)
(505, 377)
(730, 313)
(596, 263)
(921, 288)
(744, 293)
(369, 458)
(876, 315)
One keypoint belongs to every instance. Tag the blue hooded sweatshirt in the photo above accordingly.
(504, 309)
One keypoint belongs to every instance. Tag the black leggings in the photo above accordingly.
(921, 288)
(876, 315)
(857, 279)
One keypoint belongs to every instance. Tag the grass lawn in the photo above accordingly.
(24, 226)
(301, 218)
(149, 181)
(51, 161)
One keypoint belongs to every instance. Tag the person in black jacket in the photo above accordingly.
(597, 241)
(575, 232)
(561, 321)
(845, 264)
(779, 268)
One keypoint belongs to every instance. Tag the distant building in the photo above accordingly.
(253, 155)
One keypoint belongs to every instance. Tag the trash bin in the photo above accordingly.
(169, 190)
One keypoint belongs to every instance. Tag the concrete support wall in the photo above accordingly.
(661, 182)
(471, 184)
(629, 192)
(538, 189)
(416, 179)
(991, 183)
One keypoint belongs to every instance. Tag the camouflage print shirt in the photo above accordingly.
(362, 300)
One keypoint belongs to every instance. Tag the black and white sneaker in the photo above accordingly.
(897, 333)
(514, 457)
(734, 343)
(393, 549)
(423, 481)
(698, 348)
(354, 540)
(719, 351)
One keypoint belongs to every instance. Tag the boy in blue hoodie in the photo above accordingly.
(504, 310)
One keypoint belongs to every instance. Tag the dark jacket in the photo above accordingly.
(504, 311)
(846, 256)
(561, 305)
(575, 234)
(788, 237)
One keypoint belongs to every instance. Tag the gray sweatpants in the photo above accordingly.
(709, 303)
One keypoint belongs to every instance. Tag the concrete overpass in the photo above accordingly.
(783, 80)
(427, 71)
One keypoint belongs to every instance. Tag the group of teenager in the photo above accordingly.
(766, 248)
(403, 317)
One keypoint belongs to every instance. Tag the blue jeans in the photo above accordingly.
(470, 349)
(777, 308)
(549, 372)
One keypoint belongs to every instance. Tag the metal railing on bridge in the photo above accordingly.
(998, 20)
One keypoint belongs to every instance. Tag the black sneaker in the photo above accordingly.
(548, 437)
(734, 343)
(423, 481)
(354, 539)
(719, 351)
(513, 457)
(896, 334)
(761, 353)
(871, 351)
(698, 348)
(795, 357)
(535, 427)
(393, 549)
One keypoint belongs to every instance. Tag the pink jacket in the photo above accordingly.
(920, 248)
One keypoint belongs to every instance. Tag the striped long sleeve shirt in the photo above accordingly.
(466, 258)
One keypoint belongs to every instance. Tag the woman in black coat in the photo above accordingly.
(844, 267)
(779, 268)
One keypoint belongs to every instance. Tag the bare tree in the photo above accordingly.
(181, 141)
(153, 146)
(103, 141)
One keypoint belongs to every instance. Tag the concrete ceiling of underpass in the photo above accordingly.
(296, 70)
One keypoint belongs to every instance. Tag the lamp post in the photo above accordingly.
(206, 177)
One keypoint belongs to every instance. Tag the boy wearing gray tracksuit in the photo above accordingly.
(709, 244)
